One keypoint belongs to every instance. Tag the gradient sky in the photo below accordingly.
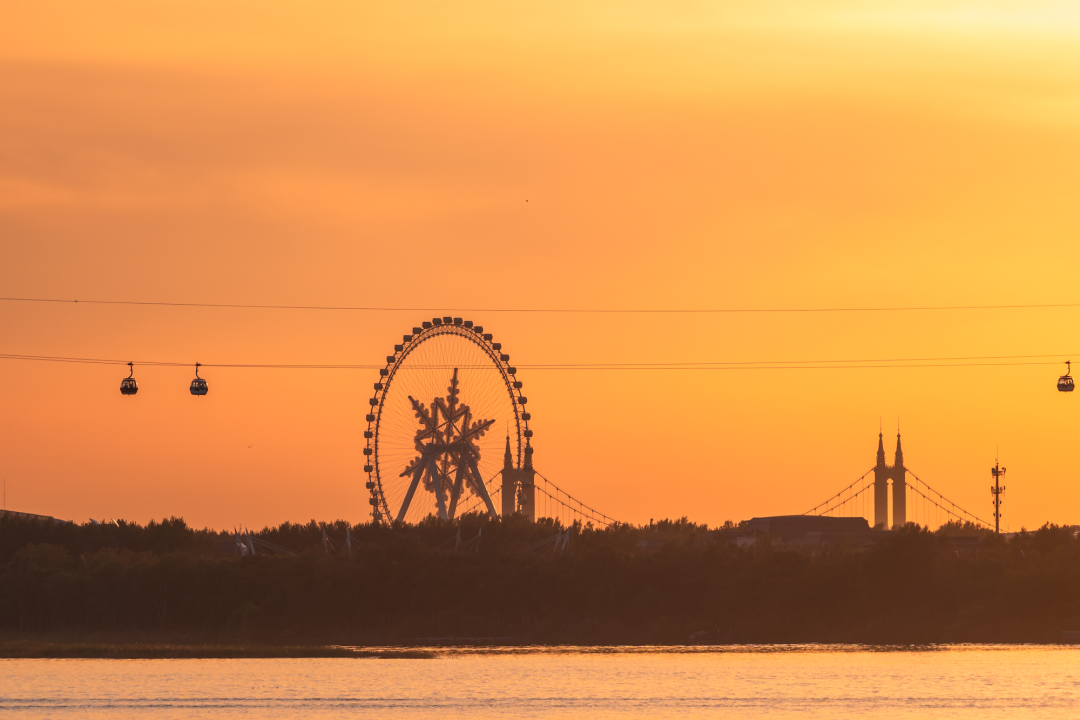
(673, 155)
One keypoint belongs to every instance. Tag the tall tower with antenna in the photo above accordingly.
(997, 472)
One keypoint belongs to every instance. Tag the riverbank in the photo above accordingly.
(665, 584)
(31, 649)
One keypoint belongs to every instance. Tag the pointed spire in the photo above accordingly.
(880, 449)
(508, 456)
(899, 451)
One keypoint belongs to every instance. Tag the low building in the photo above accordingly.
(30, 516)
(809, 528)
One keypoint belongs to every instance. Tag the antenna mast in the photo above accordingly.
(996, 489)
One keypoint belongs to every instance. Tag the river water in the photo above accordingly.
(744, 682)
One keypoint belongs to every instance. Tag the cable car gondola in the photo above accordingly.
(128, 386)
(198, 385)
(1065, 382)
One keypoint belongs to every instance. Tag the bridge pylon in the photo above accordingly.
(527, 486)
(883, 473)
(519, 484)
(509, 482)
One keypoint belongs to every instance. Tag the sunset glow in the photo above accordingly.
(581, 155)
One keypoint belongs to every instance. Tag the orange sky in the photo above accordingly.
(794, 154)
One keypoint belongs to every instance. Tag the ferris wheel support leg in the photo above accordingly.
(417, 474)
(455, 494)
(440, 496)
(483, 490)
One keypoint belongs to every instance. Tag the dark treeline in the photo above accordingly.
(165, 580)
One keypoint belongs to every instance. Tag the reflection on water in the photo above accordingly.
(749, 681)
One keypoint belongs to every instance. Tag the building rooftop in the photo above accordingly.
(797, 527)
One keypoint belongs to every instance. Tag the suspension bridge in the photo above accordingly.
(557, 504)
(913, 500)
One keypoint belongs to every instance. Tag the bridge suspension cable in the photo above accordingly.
(477, 501)
(582, 511)
(962, 512)
(558, 501)
(837, 495)
(846, 499)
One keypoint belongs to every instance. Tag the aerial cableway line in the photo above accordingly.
(593, 311)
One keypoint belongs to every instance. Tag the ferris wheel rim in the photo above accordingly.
(437, 327)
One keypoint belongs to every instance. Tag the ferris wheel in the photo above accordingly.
(446, 417)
